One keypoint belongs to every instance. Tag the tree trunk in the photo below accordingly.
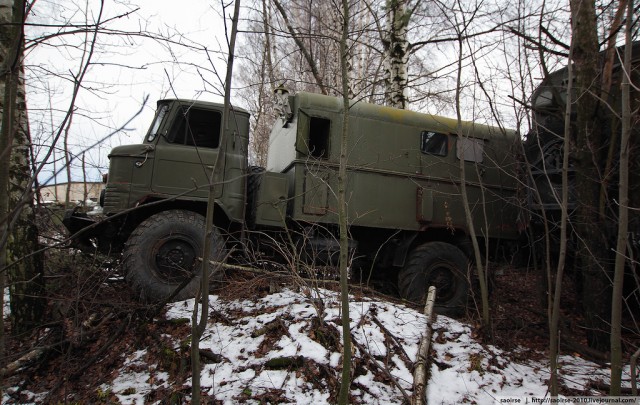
(67, 162)
(592, 240)
(198, 327)
(482, 276)
(24, 268)
(396, 54)
(26, 276)
(623, 216)
(420, 366)
(266, 26)
(303, 49)
(85, 192)
(6, 141)
(556, 293)
(345, 384)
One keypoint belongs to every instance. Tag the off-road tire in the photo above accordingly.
(440, 264)
(162, 254)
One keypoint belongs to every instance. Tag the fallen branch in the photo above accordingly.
(402, 353)
(373, 362)
(322, 282)
(86, 332)
(420, 370)
(22, 361)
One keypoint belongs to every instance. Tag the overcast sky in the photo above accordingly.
(125, 69)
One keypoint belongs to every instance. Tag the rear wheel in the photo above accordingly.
(162, 255)
(439, 264)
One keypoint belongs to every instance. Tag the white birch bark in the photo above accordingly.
(397, 54)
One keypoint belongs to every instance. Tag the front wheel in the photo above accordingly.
(162, 256)
(439, 264)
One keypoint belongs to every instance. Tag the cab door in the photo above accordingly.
(186, 155)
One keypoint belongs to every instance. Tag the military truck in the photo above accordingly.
(544, 151)
(405, 210)
(544, 143)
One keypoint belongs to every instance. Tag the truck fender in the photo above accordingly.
(402, 249)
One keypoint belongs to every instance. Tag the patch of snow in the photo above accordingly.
(132, 383)
(6, 308)
(462, 369)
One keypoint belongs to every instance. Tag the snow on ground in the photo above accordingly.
(272, 349)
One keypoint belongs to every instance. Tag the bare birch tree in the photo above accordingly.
(396, 53)
(19, 237)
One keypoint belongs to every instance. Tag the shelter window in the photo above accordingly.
(434, 143)
(471, 149)
(319, 132)
(199, 128)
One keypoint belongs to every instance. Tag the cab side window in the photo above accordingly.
(434, 143)
(200, 128)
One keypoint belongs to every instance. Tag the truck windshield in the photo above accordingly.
(155, 126)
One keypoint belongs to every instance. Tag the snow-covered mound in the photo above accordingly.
(275, 349)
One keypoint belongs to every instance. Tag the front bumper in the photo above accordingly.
(82, 229)
(91, 234)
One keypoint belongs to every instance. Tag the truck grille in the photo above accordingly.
(116, 197)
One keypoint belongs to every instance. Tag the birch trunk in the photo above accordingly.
(420, 369)
(397, 54)
(19, 233)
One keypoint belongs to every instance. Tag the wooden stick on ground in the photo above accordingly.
(420, 370)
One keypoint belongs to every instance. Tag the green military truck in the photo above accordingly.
(406, 216)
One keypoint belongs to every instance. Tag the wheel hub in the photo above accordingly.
(175, 259)
(445, 282)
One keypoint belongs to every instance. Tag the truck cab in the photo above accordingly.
(177, 158)
(172, 169)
